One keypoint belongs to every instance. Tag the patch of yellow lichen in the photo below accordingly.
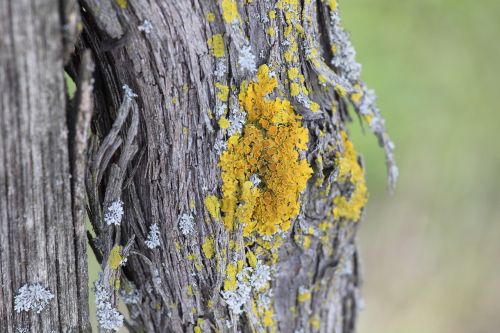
(115, 257)
(223, 123)
(210, 16)
(332, 4)
(341, 90)
(216, 45)
(269, 147)
(315, 322)
(230, 11)
(304, 296)
(350, 170)
(307, 242)
(213, 206)
(357, 94)
(223, 91)
(251, 258)
(208, 248)
(230, 281)
(122, 3)
(268, 320)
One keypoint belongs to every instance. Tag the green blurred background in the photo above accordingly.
(431, 252)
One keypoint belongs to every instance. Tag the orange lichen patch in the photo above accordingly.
(350, 170)
(269, 148)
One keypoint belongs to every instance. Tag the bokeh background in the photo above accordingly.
(431, 252)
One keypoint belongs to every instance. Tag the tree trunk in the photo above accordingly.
(222, 187)
(43, 260)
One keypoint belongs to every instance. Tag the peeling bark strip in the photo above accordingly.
(241, 189)
(43, 264)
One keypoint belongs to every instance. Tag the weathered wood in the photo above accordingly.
(41, 240)
(163, 50)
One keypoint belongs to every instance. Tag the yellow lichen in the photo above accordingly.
(210, 17)
(208, 248)
(223, 91)
(216, 45)
(350, 170)
(230, 11)
(269, 147)
(368, 118)
(294, 89)
(251, 258)
(213, 206)
(341, 90)
(356, 96)
(314, 107)
(122, 3)
(268, 320)
(272, 14)
(304, 296)
(307, 242)
(332, 4)
(223, 123)
(293, 73)
(115, 257)
(315, 322)
(230, 281)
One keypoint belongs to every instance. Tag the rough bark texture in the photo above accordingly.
(42, 235)
(314, 287)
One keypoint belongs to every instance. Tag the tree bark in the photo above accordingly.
(170, 77)
(42, 237)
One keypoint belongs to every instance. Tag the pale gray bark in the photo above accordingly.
(42, 235)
